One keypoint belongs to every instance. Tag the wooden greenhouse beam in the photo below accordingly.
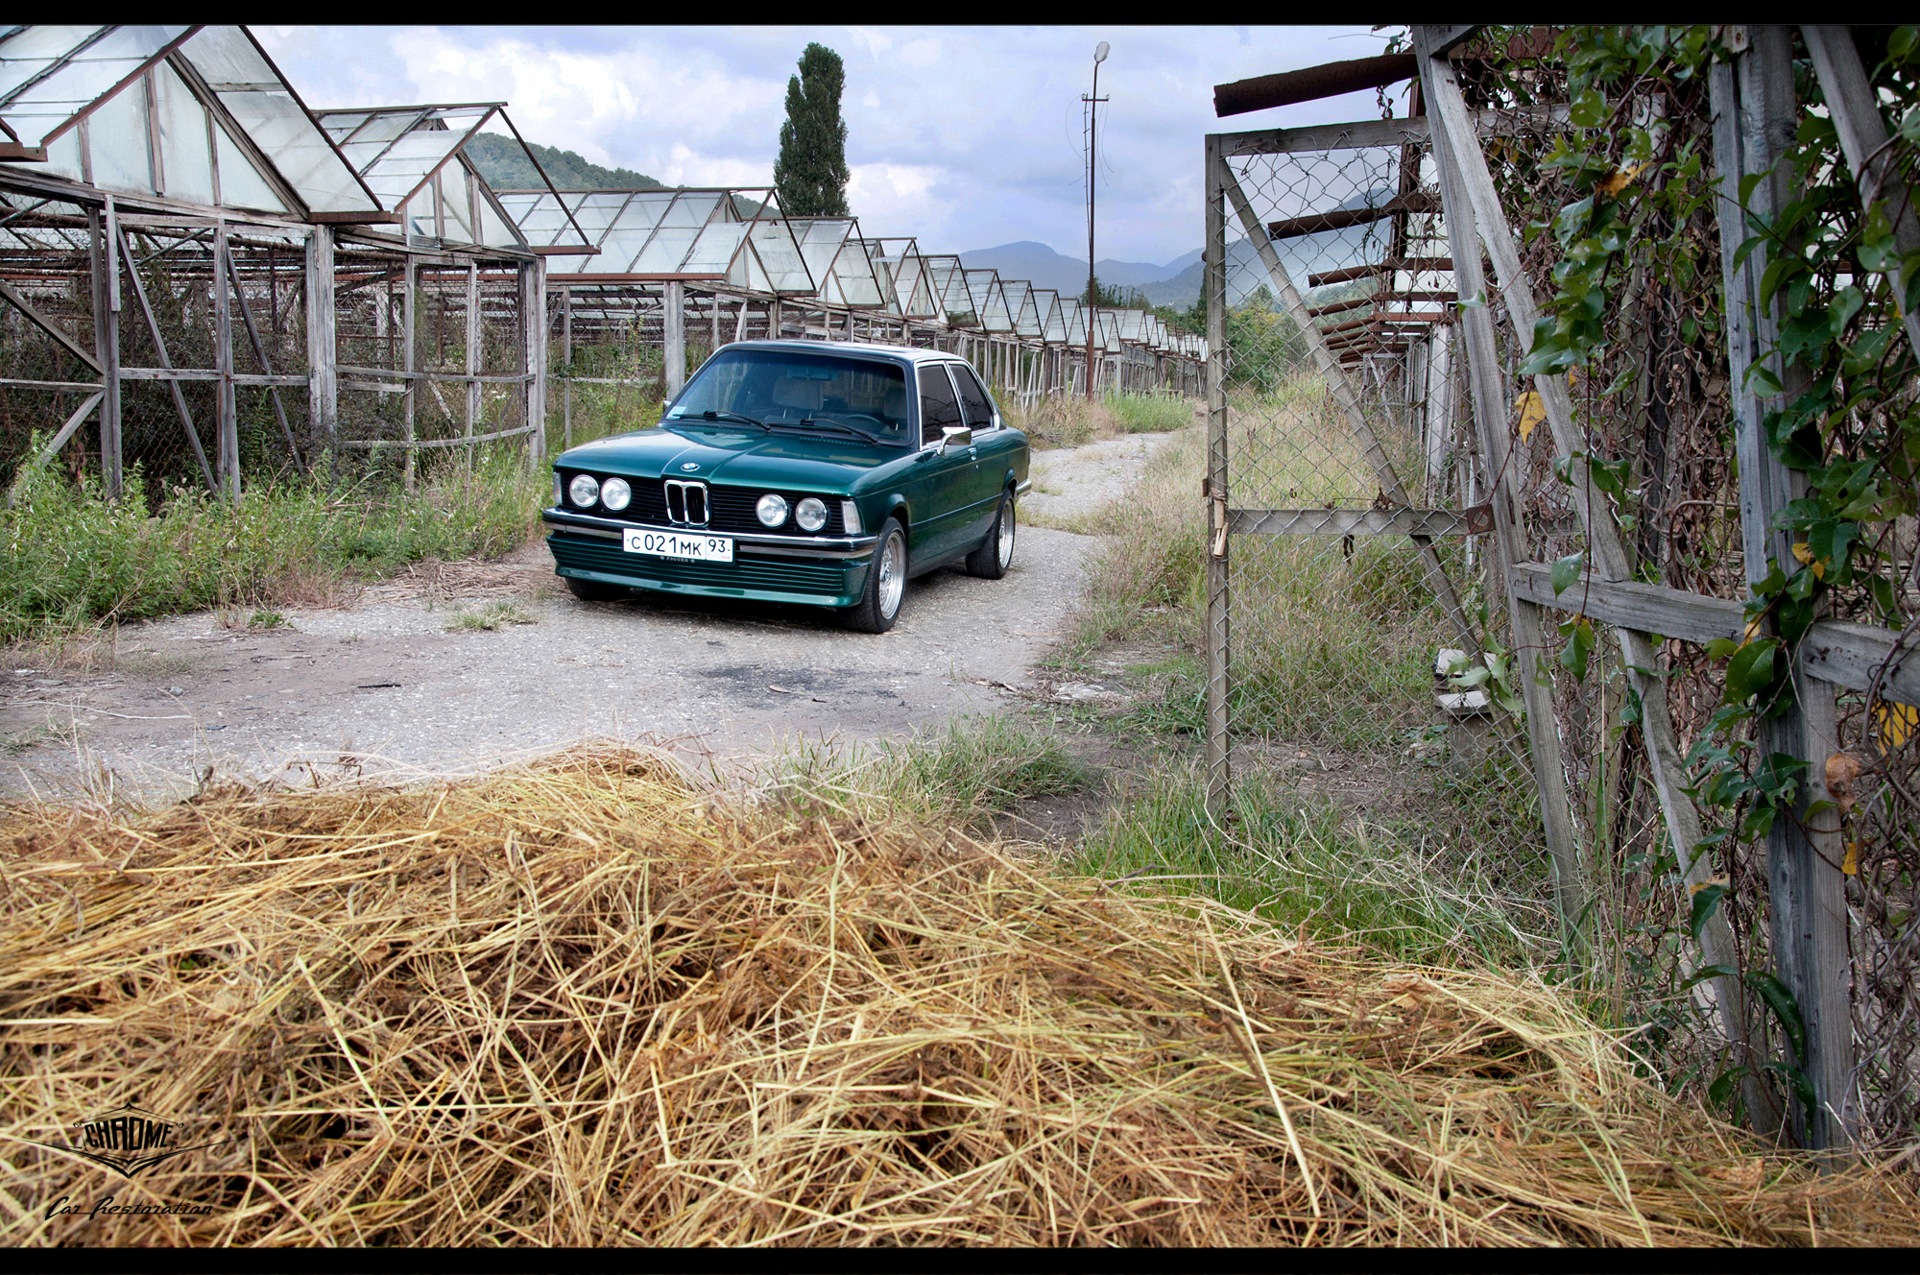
(1341, 218)
(1309, 84)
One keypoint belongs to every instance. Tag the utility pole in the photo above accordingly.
(1093, 115)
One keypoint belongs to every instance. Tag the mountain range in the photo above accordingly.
(1177, 283)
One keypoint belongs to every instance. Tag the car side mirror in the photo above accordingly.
(952, 436)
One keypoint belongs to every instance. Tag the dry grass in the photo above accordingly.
(587, 1003)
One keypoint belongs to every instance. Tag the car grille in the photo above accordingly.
(742, 573)
(725, 508)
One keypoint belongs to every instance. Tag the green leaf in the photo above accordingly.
(1705, 901)
(1750, 671)
(1784, 1007)
(1720, 1092)
(1706, 972)
(1566, 572)
(1721, 648)
(1579, 634)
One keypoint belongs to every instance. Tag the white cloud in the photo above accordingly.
(961, 136)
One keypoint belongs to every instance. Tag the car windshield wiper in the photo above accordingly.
(712, 415)
(818, 424)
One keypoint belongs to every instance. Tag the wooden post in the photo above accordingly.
(1214, 489)
(323, 375)
(226, 409)
(674, 335)
(1472, 184)
(1755, 117)
(566, 366)
(1572, 889)
(410, 364)
(475, 335)
(533, 355)
(105, 267)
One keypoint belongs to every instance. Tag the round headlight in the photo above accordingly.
(772, 509)
(583, 490)
(811, 514)
(615, 494)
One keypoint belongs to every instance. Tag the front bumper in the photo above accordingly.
(818, 571)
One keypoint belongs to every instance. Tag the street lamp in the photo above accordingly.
(1093, 108)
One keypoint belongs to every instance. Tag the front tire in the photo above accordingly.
(995, 554)
(593, 590)
(879, 604)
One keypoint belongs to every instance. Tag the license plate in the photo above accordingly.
(675, 544)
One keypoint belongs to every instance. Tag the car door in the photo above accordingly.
(995, 448)
(939, 493)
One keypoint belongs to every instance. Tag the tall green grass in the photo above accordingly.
(1148, 413)
(1414, 893)
(73, 558)
(977, 768)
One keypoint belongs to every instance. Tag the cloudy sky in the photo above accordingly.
(965, 137)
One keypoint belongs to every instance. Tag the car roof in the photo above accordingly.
(907, 353)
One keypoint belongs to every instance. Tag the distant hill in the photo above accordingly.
(504, 165)
(1178, 282)
(1045, 268)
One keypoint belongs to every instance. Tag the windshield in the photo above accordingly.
(791, 389)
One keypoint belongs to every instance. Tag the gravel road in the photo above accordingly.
(393, 682)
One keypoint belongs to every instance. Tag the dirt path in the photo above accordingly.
(394, 682)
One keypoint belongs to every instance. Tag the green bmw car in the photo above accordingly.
(797, 471)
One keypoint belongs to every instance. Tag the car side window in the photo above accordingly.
(938, 407)
(977, 408)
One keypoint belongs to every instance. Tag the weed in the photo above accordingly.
(74, 561)
(1311, 867)
(264, 619)
(979, 767)
(494, 615)
(1148, 413)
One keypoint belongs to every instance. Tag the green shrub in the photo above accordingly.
(74, 558)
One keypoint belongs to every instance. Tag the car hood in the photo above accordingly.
(744, 457)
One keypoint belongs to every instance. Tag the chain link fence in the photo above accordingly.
(1360, 600)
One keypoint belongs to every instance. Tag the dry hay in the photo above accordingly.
(586, 1004)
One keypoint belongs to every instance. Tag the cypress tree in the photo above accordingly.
(811, 174)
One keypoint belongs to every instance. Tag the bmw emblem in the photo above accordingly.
(690, 466)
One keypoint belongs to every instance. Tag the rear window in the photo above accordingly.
(974, 402)
(938, 408)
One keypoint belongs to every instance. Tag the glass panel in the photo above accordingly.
(241, 185)
(453, 201)
(63, 155)
(184, 162)
(117, 136)
(37, 110)
(33, 50)
(691, 210)
(786, 268)
(714, 251)
(749, 273)
(938, 407)
(274, 121)
(666, 251)
(277, 125)
(495, 232)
